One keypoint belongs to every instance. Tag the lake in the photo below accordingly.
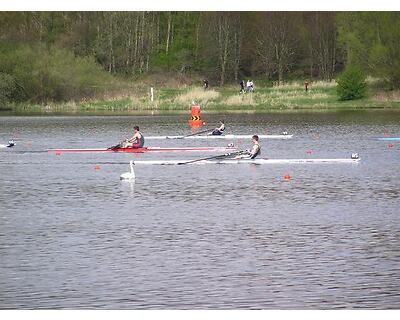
(72, 235)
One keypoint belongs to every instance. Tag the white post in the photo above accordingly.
(151, 94)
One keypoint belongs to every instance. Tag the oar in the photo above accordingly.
(119, 145)
(192, 134)
(215, 157)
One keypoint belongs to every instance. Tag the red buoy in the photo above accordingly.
(287, 177)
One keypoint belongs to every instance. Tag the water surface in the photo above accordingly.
(205, 236)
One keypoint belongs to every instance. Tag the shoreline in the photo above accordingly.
(289, 98)
(13, 113)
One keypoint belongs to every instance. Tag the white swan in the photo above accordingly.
(128, 175)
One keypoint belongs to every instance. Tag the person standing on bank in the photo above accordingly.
(205, 84)
(242, 90)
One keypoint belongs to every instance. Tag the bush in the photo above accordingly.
(351, 84)
(49, 74)
(7, 87)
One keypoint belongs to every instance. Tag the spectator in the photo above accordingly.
(251, 86)
(205, 84)
(241, 86)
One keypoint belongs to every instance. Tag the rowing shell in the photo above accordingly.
(390, 139)
(246, 161)
(149, 149)
(226, 136)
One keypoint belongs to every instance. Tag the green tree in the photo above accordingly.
(7, 88)
(45, 74)
(351, 84)
(372, 40)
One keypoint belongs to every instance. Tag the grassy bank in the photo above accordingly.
(290, 97)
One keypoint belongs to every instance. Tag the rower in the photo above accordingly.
(11, 143)
(137, 140)
(254, 152)
(220, 130)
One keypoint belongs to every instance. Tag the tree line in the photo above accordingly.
(66, 55)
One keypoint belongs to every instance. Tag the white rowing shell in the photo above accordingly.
(244, 161)
(149, 149)
(226, 136)
(389, 139)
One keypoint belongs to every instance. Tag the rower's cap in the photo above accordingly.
(136, 128)
(255, 137)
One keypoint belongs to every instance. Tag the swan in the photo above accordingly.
(128, 175)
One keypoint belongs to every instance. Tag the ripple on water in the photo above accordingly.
(188, 237)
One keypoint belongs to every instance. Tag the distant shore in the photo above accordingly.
(321, 96)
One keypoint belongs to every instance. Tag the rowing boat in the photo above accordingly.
(390, 139)
(148, 149)
(225, 136)
(246, 161)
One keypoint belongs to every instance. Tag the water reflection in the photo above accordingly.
(128, 185)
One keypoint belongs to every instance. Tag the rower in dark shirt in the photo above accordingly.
(253, 152)
(220, 130)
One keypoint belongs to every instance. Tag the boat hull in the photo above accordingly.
(245, 161)
(226, 136)
(145, 150)
(390, 139)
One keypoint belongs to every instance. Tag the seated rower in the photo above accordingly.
(254, 152)
(220, 130)
(11, 143)
(137, 140)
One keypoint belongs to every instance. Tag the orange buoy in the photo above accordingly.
(97, 168)
(195, 110)
(58, 153)
(390, 146)
(195, 119)
(287, 177)
(308, 151)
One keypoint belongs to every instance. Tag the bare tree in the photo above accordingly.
(237, 43)
(321, 29)
(223, 34)
(277, 38)
(169, 29)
